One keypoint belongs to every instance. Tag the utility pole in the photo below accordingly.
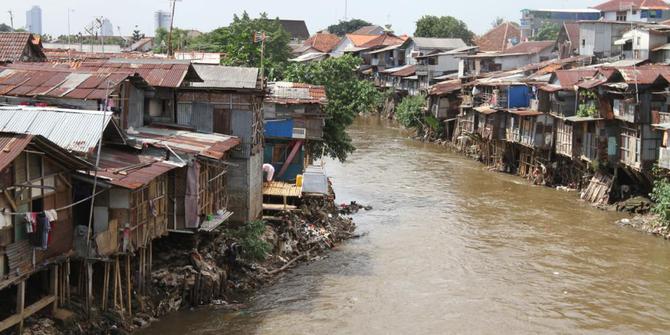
(11, 19)
(346, 8)
(169, 46)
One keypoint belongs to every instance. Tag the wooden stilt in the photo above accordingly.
(118, 292)
(67, 280)
(129, 286)
(53, 286)
(89, 285)
(105, 287)
(20, 303)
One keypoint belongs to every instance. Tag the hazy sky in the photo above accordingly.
(206, 15)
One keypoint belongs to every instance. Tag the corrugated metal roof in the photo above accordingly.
(207, 145)
(296, 93)
(130, 170)
(216, 76)
(157, 72)
(73, 130)
(11, 145)
(439, 43)
(445, 87)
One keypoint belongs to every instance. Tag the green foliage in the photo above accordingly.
(548, 32)
(587, 106)
(249, 236)
(443, 27)
(661, 197)
(237, 42)
(498, 21)
(409, 112)
(180, 40)
(345, 27)
(4, 28)
(347, 96)
(137, 35)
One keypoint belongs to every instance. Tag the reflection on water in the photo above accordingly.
(453, 248)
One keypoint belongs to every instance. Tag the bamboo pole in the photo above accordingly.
(105, 287)
(67, 280)
(128, 284)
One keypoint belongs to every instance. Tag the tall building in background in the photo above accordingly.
(34, 20)
(162, 20)
(107, 28)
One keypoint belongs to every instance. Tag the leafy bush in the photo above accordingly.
(409, 112)
(249, 237)
(661, 197)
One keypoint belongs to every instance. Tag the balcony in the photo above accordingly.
(562, 109)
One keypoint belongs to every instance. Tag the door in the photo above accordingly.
(222, 121)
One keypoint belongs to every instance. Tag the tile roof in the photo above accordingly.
(217, 76)
(30, 80)
(323, 42)
(130, 170)
(360, 40)
(383, 40)
(498, 38)
(617, 5)
(572, 29)
(212, 146)
(295, 93)
(531, 47)
(297, 28)
(13, 47)
(73, 130)
(369, 30)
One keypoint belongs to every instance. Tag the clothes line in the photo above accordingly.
(59, 209)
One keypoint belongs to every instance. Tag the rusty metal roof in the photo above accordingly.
(157, 72)
(15, 46)
(569, 78)
(73, 130)
(11, 145)
(206, 145)
(130, 170)
(445, 87)
(296, 93)
(30, 80)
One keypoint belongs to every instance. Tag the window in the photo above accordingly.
(634, 12)
(639, 41)
(583, 42)
(621, 16)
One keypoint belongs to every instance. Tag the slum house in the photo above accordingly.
(294, 116)
(443, 104)
(294, 120)
(597, 38)
(421, 46)
(46, 84)
(36, 229)
(321, 43)
(433, 67)
(229, 101)
(352, 43)
(512, 58)
(533, 20)
(20, 47)
(402, 80)
(383, 52)
(646, 42)
(567, 42)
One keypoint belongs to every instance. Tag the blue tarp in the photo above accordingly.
(519, 96)
(279, 128)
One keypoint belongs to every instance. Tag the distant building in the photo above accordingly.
(296, 28)
(107, 28)
(533, 19)
(162, 20)
(370, 30)
(34, 20)
(634, 10)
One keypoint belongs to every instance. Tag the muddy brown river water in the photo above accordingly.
(454, 249)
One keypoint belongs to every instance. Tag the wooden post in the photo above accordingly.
(89, 286)
(53, 286)
(67, 279)
(129, 287)
(105, 287)
(20, 303)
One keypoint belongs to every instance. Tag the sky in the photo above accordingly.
(205, 15)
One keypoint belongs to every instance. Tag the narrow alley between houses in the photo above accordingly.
(453, 248)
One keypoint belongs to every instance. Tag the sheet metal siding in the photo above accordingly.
(136, 106)
(519, 96)
(241, 126)
(184, 113)
(226, 77)
(202, 116)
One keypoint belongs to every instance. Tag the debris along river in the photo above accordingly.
(452, 248)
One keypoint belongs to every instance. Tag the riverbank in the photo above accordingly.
(222, 269)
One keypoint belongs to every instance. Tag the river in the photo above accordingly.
(451, 249)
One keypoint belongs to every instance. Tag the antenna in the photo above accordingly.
(346, 8)
(11, 18)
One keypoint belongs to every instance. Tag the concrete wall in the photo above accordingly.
(245, 194)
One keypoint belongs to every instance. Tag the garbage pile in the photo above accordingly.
(353, 208)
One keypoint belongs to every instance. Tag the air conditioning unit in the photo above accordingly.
(300, 133)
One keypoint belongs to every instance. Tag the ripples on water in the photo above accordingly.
(453, 248)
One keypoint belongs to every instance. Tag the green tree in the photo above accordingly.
(345, 27)
(498, 21)
(443, 27)
(347, 96)
(180, 40)
(547, 32)
(237, 42)
(410, 113)
(5, 28)
(137, 35)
